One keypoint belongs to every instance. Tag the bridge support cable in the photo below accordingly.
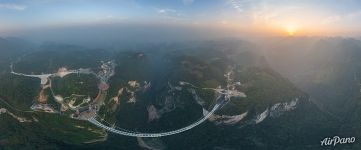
(138, 134)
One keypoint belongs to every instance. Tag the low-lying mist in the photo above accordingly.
(115, 35)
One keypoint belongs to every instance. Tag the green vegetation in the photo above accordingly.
(75, 84)
(204, 66)
(51, 131)
(51, 59)
(19, 91)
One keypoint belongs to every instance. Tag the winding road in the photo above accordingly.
(221, 100)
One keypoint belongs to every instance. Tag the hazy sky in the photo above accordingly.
(258, 17)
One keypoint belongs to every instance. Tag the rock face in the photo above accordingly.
(2, 110)
(151, 143)
(152, 113)
(133, 84)
(62, 72)
(164, 91)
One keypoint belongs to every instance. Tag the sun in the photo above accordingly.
(291, 29)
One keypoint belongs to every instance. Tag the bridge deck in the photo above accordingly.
(136, 134)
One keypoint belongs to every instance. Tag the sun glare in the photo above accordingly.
(291, 30)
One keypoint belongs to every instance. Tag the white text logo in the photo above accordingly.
(337, 140)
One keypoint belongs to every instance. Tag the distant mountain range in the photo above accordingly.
(292, 93)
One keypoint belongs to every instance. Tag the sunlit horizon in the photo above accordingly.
(229, 17)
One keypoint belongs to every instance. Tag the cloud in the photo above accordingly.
(224, 22)
(188, 2)
(166, 11)
(12, 6)
(337, 18)
(171, 14)
(239, 5)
